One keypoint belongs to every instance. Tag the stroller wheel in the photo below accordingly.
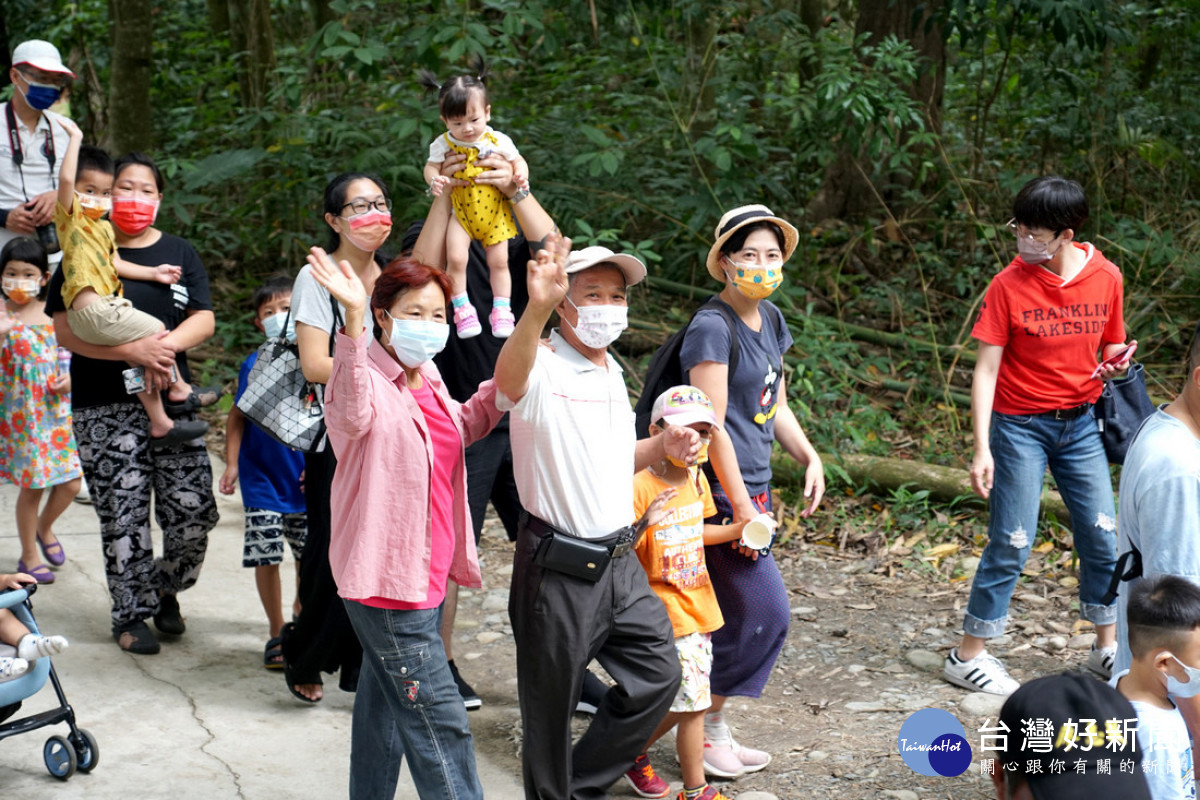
(87, 752)
(59, 757)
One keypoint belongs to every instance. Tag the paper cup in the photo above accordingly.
(758, 531)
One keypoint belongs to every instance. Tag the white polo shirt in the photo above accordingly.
(36, 167)
(573, 442)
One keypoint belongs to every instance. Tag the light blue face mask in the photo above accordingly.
(273, 326)
(1179, 689)
(416, 341)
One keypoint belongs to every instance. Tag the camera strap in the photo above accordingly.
(18, 152)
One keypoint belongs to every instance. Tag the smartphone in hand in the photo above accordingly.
(1121, 355)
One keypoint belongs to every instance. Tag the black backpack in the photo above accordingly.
(665, 370)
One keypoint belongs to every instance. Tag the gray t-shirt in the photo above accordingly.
(311, 304)
(1158, 510)
(753, 388)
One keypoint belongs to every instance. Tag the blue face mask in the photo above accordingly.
(417, 340)
(41, 96)
(273, 326)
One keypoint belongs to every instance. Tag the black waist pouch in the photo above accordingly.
(571, 556)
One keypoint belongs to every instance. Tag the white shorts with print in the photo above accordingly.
(695, 658)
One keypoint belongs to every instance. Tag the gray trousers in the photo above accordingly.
(560, 623)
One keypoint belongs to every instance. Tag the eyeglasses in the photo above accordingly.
(1015, 228)
(43, 78)
(361, 205)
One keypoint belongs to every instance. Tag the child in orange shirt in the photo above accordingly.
(672, 553)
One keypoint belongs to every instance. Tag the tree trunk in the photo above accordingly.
(253, 41)
(218, 16)
(129, 83)
(847, 191)
(882, 473)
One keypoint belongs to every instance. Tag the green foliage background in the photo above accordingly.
(641, 130)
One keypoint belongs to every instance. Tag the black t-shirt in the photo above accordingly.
(466, 363)
(96, 382)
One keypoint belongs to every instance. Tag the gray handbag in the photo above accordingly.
(280, 400)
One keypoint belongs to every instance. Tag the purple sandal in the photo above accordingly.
(53, 553)
(41, 573)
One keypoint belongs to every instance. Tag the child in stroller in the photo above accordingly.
(28, 665)
(28, 646)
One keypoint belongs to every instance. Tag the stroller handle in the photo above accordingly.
(12, 597)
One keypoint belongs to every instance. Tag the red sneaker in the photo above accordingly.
(644, 780)
(710, 793)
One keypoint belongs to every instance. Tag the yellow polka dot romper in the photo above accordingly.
(484, 211)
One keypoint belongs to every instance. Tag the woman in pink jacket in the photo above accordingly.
(400, 524)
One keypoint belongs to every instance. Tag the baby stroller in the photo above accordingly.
(63, 754)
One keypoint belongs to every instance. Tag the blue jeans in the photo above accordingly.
(408, 705)
(1022, 447)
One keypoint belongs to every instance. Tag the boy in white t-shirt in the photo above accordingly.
(1164, 636)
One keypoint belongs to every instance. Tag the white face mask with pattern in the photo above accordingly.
(599, 326)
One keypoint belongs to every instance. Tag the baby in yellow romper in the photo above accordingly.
(481, 213)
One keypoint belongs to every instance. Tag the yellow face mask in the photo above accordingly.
(701, 457)
(755, 282)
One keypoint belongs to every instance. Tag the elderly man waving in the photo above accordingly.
(577, 592)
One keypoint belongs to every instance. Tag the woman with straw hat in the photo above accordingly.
(752, 245)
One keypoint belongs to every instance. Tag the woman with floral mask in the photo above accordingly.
(126, 473)
(37, 446)
(401, 524)
(1043, 321)
(357, 212)
(752, 246)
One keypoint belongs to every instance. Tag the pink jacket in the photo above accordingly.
(381, 537)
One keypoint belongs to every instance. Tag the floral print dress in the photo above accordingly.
(37, 445)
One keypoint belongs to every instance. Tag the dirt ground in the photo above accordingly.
(863, 653)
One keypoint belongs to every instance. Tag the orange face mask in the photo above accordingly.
(20, 290)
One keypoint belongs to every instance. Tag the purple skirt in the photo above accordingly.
(754, 603)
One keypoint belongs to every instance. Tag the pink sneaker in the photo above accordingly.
(502, 321)
(466, 321)
(645, 781)
(722, 762)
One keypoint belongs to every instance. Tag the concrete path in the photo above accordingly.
(202, 718)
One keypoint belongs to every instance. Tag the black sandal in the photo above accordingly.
(289, 676)
(199, 398)
(273, 654)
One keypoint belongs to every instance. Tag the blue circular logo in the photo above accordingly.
(933, 742)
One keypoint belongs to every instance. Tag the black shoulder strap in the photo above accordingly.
(337, 320)
(1129, 566)
(730, 316)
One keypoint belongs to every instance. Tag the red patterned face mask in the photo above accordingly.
(133, 214)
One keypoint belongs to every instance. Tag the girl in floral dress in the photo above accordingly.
(37, 445)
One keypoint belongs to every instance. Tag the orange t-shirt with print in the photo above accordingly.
(672, 552)
(1051, 332)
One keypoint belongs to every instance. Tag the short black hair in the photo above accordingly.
(270, 289)
(455, 93)
(29, 250)
(737, 240)
(1052, 203)
(1162, 611)
(139, 159)
(93, 158)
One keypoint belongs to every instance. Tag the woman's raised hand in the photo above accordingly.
(339, 280)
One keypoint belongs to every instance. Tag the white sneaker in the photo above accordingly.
(1100, 661)
(983, 673)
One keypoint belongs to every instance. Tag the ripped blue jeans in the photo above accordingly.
(1022, 447)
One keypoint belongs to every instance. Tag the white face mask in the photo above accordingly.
(416, 341)
(21, 290)
(273, 326)
(599, 326)
(1189, 689)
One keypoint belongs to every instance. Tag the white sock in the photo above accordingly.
(32, 646)
(714, 719)
(13, 667)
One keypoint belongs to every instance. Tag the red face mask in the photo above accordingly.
(133, 214)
